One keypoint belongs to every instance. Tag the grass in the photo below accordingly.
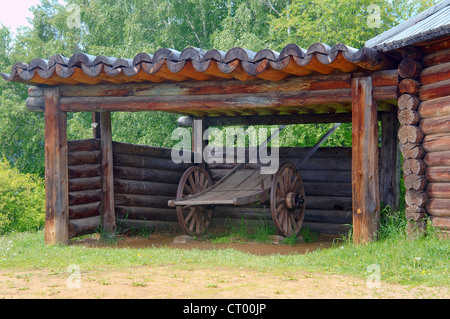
(420, 261)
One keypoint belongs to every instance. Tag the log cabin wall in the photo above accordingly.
(434, 112)
(85, 186)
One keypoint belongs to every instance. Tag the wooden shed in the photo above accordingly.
(100, 182)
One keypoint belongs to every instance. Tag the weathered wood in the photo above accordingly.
(434, 125)
(389, 161)
(141, 200)
(409, 86)
(142, 150)
(408, 117)
(56, 175)
(409, 68)
(434, 108)
(408, 101)
(96, 130)
(108, 211)
(435, 58)
(146, 174)
(84, 145)
(410, 134)
(327, 189)
(82, 171)
(35, 104)
(417, 198)
(144, 188)
(85, 197)
(365, 181)
(146, 213)
(436, 142)
(438, 190)
(438, 174)
(84, 210)
(412, 150)
(438, 207)
(84, 226)
(414, 213)
(83, 184)
(84, 158)
(414, 166)
(435, 74)
(437, 158)
(415, 182)
(434, 90)
(441, 222)
(149, 162)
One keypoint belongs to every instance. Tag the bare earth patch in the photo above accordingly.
(213, 283)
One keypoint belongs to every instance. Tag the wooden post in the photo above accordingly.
(56, 170)
(108, 211)
(198, 143)
(96, 124)
(389, 161)
(365, 182)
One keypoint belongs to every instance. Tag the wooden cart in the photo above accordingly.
(196, 196)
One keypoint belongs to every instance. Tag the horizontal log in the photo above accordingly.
(438, 190)
(412, 150)
(434, 90)
(438, 174)
(87, 170)
(84, 210)
(437, 158)
(435, 125)
(84, 226)
(85, 197)
(408, 117)
(414, 166)
(92, 144)
(415, 182)
(142, 150)
(83, 158)
(141, 200)
(438, 57)
(329, 202)
(409, 68)
(436, 142)
(441, 222)
(417, 198)
(410, 134)
(35, 91)
(436, 73)
(435, 108)
(148, 162)
(35, 104)
(438, 207)
(84, 184)
(149, 225)
(327, 228)
(409, 86)
(146, 213)
(327, 189)
(408, 102)
(147, 174)
(144, 188)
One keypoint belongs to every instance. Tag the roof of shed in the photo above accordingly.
(430, 24)
(196, 64)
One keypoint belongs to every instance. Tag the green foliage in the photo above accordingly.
(22, 206)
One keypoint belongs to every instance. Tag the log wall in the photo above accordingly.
(434, 112)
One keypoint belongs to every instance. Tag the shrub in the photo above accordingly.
(22, 200)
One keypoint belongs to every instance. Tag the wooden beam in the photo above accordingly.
(389, 161)
(96, 124)
(56, 171)
(108, 213)
(365, 182)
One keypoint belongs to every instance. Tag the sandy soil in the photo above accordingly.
(213, 283)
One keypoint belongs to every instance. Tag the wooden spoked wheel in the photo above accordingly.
(194, 220)
(287, 200)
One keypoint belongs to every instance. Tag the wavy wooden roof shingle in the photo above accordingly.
(197, 64)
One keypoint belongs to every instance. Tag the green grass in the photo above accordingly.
(424, 260)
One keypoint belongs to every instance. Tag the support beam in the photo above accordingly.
(389, 161)
(96, 124)
(108, 212)
(56, 170)
(365, 182)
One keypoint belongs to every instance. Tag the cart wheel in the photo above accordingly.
(287, 200)
(194, 220)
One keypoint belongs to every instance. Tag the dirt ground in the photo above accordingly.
(169, 282)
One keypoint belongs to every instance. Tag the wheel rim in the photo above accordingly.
(286, 185)
(194, 220)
